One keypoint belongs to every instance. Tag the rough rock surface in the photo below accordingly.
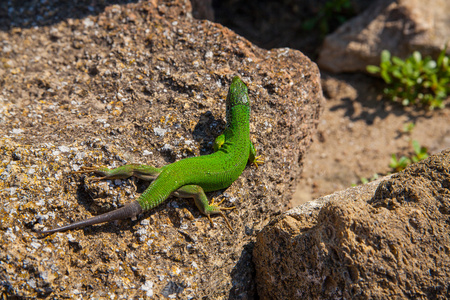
(143, 83)
(399, 26)
(388, 240)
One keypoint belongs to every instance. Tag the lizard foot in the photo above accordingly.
(218, 210)
(258, 160)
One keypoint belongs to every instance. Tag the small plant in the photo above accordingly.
(420, 153)
(408, 127)
(399, 164)
(364, 180)
(415, 81)
(330, 15)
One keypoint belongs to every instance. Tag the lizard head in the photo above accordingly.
(237, 96)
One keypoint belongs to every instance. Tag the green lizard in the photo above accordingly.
(190, 177)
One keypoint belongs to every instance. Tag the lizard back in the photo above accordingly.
(217, 170)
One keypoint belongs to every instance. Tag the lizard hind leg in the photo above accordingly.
(202, 203)
(144, 172)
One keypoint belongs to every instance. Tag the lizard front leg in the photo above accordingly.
(252, 158)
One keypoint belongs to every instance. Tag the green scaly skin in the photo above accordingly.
(190, 177)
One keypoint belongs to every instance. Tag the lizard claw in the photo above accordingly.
(218, 209)
(258, 160)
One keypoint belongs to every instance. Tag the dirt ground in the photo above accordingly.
(358, 133)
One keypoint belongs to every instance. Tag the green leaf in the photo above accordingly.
(408, 69)
(404, 161)
(417, 56)
(385, 75)
(409, 82)
(397, 74)
(431, 65)
(397, 61)
(373, 69)
(416, 146)
(441, 56)
(385, 56)
(393, 162)
(437, 103)
(386, 65)
(423, 154)
(441, 94)
(445, 63)
(434, 79)
(408, 127)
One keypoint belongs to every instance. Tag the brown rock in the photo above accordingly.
(388, 240)
(398, 26)
(144, 83)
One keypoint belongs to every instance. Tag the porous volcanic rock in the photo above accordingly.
(388, 239)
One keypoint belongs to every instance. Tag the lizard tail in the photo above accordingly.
(130, 210)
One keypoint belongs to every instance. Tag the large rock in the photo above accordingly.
(145, 83)
(399, 26)
(388, 240)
